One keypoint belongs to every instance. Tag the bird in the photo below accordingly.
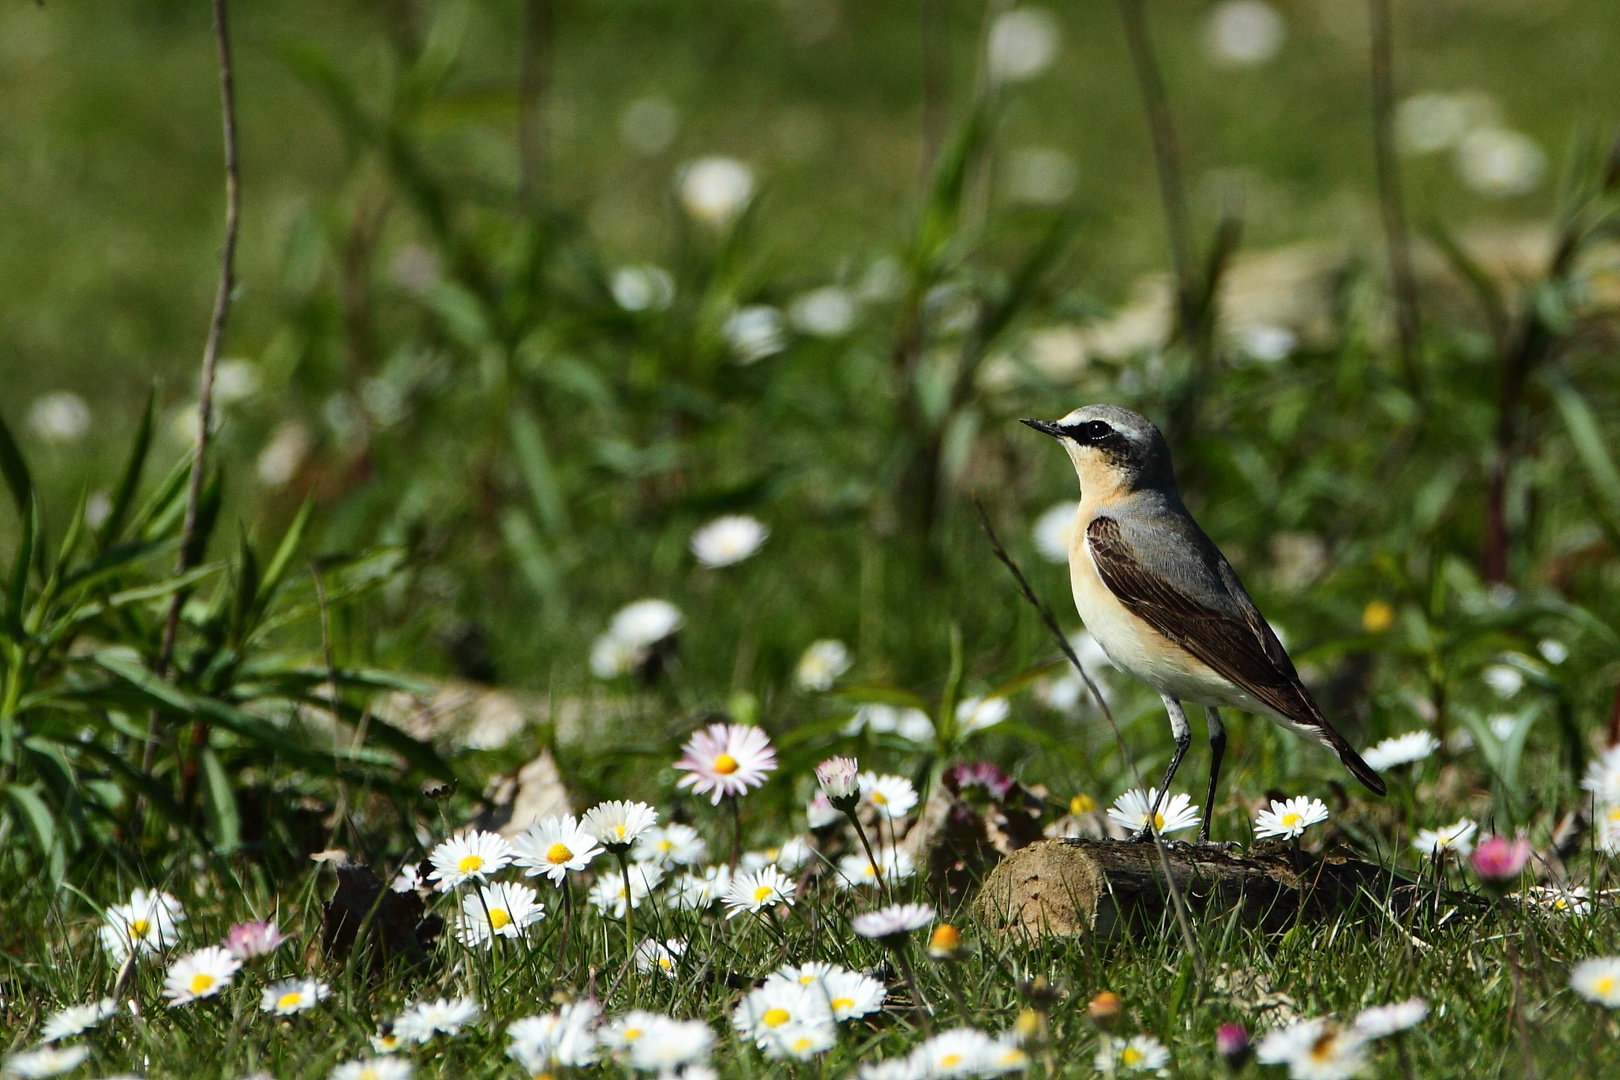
(1163, 602)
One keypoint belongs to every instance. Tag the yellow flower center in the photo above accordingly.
(1377, 616)
(725, 764)
(201, 981)
(1158, 820)
(665, 963)
(1130, 1056)
(1614, 813)
(618, 830)
(559, 853)
(880, 798)
(801, 1043)
(498, 918)
(470, 864)
(761, 893)
(632, 1034)
(140, 926)
(840, 1004)
(666, 845)
(1605, 985)
(776, 1017)
(289, 1000)
(950, 1061)
(1322, 1048)
(369, 1073)
(1291, 820)
(1082, 804)
(871, 870)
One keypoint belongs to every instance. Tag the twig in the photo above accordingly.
(1402, 280)
(205, 389)
(1177, 901)
(1166, 161)
(534, 66)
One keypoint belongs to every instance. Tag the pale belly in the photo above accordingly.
(1137, 648)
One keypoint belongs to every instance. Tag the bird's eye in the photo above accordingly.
(1097, 431)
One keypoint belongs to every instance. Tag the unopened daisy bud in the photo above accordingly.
(839, 777)
(1499, 861)
(1233, 1046)
(1104, 1010)
(1041, 993)
(945, 942)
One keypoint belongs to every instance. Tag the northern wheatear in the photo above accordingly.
(1163, 602)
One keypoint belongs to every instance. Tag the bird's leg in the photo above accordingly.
(1217, 747)
(1183, 733)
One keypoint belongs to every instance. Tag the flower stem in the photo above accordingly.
(629, 909)
(866, 845)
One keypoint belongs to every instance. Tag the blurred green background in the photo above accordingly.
(441, 364)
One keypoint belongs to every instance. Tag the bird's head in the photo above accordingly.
(1113, 449)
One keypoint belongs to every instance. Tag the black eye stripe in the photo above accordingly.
(1091, 432)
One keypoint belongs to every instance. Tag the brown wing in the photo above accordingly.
(1241, 648)
(1238, 645)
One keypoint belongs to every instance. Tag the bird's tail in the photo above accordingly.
(1352, 761)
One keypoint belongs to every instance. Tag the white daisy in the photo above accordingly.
(562, 1039)
(726, 760)
(1381, 1020)
(1401, 750)
(913, 725)
(504, 909)
(671, 845)
(756, 890)
(629, 1029)
(1138, 1054)
(819, 812)
(801, 1042)
(959, 1052)
(849, 993)
(661, 956)
(669, 1044)
(1561, 899)
(1289, 819)
(147, 923)
(1176, 812)
(1598, 980)
(46, 1061)
(893, 922)
(1054, 529)
(618, 824)
(645, 623)
(976, 714)
(1456, 838)
(714, 190)
(1603, 775)
(839, 778)
(1505, 679)
(892, 797)
(728, 540)
(821, 664)
(468, 855)
(376, 1068)
(608, 895)
(910, 1067)
(385, 1041)
(293, 995)
(77, 1019)
(777, 1004)
(201, 974)
(694, 891)
(419, 1022)
(553, 846)
(1315, 1050)
(1608, 827)
(409, 879)
(855, 870)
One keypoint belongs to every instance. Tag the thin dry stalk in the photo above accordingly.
(1392, 206)
(205, 389)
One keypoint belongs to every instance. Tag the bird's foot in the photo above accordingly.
(1141, 836)
(1218, 845)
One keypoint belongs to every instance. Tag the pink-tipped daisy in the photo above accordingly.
(726, 759)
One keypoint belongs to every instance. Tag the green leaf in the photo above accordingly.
(221, 802)
(282, 559)
(1591, 447)
(529, 444)
(43, 824)
(123, 496)
(15, 470)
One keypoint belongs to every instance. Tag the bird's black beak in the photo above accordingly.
(1045, 425)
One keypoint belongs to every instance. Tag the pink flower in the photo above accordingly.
(1233, 1046)
(249, 939)
(1498, 859)
(726, 759)
(839, 777)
